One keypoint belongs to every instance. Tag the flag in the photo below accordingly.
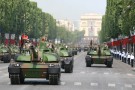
(13, 36)
(7, 35)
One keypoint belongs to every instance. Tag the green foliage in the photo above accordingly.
(118, 19)
(23, 16)
(69, 36)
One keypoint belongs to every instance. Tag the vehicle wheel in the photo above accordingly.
(15, 79)
(73, 53)
(6, 58)
(71, 69)
(68, 69)
(9, 58)
(88, 64)
(21, 79)
(109, 64)
(124, 60)
(132, 63)
(54, 79)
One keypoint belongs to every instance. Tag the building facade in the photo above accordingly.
(91, 24)
(66, 23)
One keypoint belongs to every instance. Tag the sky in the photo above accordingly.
(71, 9)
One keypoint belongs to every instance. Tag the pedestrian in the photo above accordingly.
(131, 59)
(120, 55)
(124, 57)
(128, 58)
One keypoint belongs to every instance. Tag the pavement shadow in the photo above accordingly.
(95, 66)
(37, 82)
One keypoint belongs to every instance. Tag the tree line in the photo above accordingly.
(23, 16)
(119, 19)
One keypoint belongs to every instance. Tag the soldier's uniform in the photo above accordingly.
(131, 60)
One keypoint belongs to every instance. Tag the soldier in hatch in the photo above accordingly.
(99, 50)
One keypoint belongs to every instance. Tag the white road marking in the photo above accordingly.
(117, 73)
(93, 72)
(129, 74)
(82, 72)
(106, 73)
(128, 85)
(63, 83)
(111, 85)
(6, 67)
(4, 75)
(77, 56)
(94, 84)
(8, 83)
(24, 87)
(77, 83)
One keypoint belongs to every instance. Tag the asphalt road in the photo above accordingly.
(98, 77)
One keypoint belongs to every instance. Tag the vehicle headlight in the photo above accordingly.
(65, 59)
(13, 63)
(17, 64)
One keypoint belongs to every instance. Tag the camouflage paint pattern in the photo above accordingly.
(34, 70)
(105, 55)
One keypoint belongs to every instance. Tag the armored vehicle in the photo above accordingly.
(31, 63)
(79, 49)
(67, 60)
(98, 55)
(74, 51)
(14, 50)
(85, 49)
(5, 54)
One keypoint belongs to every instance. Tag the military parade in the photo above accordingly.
(42, 49)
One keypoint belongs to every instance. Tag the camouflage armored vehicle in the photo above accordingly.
(86, 48)
(5, 54)
(67, 59)
(74, 50)
(98, 55)
(32, 64)
(79, 49)
(14, 50)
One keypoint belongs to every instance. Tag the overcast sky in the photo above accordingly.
(71, 9)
